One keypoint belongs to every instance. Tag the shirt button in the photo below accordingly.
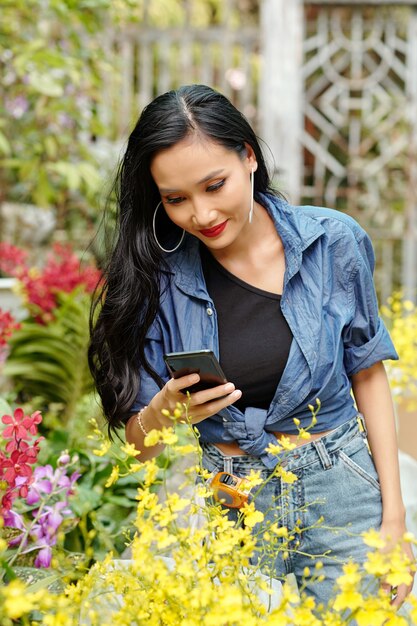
(224, 419)
(209, 311)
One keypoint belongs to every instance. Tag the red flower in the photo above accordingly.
(31, 423)
(12, 259)
(7, 326)
(16, 430)
(16, 467)
(16, 470)
(62, 273)
(7, 502)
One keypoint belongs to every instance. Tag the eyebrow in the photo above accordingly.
(203, 180)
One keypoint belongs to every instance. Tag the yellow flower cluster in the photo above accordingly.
(401, 318)
(187, 574)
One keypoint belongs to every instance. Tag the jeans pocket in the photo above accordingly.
(360, 462)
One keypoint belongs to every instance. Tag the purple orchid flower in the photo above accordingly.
(15, 520)
(44, 557)
(45, 479)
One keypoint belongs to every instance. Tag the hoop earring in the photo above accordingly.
(251, 196)
(156, 238)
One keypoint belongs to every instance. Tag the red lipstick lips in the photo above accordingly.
(216, 230)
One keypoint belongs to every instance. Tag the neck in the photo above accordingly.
(256, 238)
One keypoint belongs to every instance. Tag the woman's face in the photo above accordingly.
(206, 189)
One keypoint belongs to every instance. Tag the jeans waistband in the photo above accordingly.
(303, 455)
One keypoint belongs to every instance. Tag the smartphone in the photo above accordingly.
(202, 362)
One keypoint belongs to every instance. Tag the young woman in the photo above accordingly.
(208, 256)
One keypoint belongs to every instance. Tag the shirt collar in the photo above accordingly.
(296, 229)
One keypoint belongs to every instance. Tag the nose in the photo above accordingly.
(203, 216)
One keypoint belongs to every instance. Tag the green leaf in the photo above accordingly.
(68, 171)
(5, 408)
(51, 361)
(121, 501)
(5, 145)
(45, 84)
(85, 500)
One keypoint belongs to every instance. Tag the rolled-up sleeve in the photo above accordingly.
(366, 339)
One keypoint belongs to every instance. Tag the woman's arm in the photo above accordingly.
(374, 401)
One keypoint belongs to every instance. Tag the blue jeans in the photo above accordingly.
(337, 482)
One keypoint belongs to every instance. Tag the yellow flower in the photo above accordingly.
(349, 599)
(396, 620)
(350, 577)
(202, 491)
(113, 476)
(286, 476)
(186, 448)
(104, 448)
(176, 503)
(251, 515)
(151, 471)
(399, 568)
(178, 412)
(286, 443)
(18, 601)
(253, 479)
(279, 531)
(129, 449)
(135, 467)
(373, 539)
(274, 448)
(166, 436)
(152, 438)
(377, 564)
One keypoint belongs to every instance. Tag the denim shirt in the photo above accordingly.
(330, 305)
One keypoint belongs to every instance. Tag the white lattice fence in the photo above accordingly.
(153, 60)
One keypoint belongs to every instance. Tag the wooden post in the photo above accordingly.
(280, 96)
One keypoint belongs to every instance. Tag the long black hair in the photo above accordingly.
(127, 301)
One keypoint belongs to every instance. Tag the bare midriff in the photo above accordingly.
(233, 448)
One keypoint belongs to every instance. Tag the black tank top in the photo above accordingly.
(254, 337)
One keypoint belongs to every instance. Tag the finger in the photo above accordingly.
(175, 385)
(203, 411)
(214, 393)
(386, 588)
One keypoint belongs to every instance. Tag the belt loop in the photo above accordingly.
(324, 457)
(361, 424)
(228, 464)
(363, 431)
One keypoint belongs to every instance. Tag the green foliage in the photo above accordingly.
(51, 68)
(50, 361)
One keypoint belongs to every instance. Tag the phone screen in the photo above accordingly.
(202, 362)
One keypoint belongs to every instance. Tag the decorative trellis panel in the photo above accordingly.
(359, 77)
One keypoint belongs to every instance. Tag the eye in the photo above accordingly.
(174, 200)
(216, 186)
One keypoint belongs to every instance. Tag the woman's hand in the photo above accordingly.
(201, 404)
(392, 532)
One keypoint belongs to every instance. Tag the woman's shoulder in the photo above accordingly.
(335, 223)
